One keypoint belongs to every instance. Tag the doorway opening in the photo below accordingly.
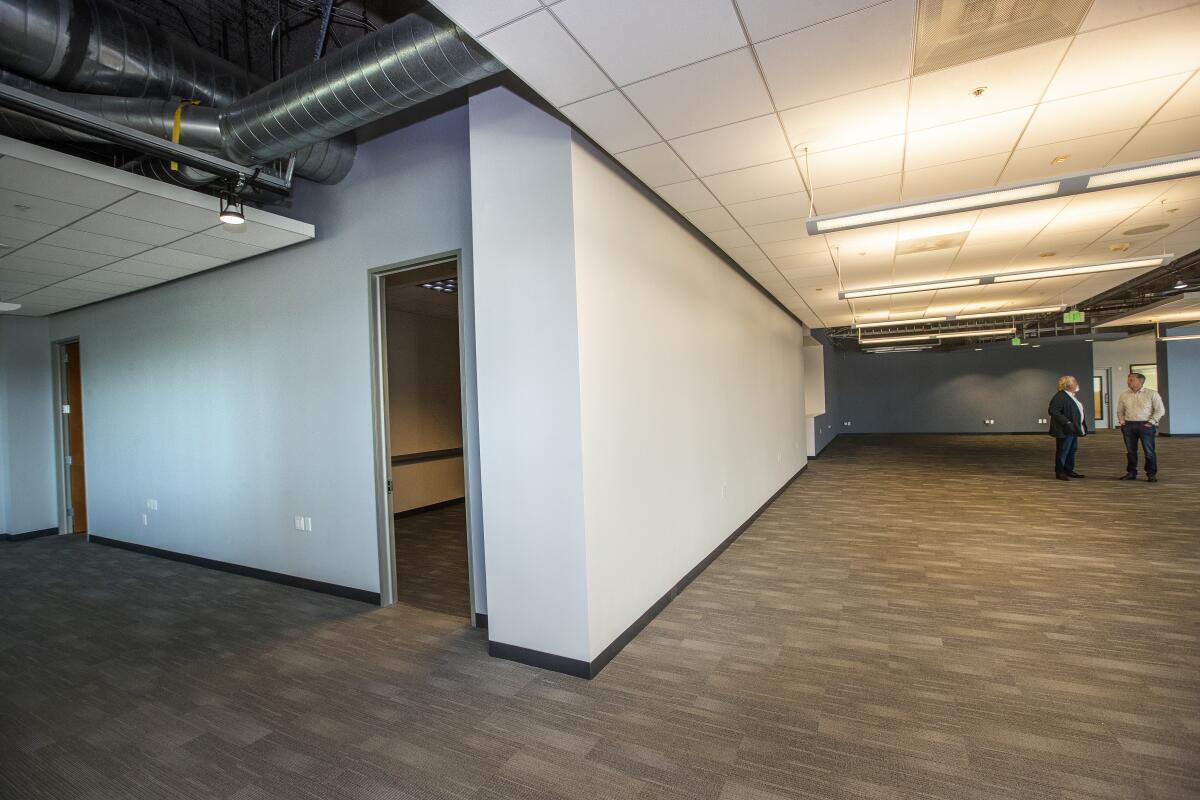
(425, 550)
(1101, 397)
(72, 504)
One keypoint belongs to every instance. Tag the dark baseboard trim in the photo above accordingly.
(21, 537)
(589, 670)
(1179, 435)
(412, 512)
(952, 433)
(480, 620)
(334, 589)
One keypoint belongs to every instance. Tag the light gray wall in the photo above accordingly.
(242, 397)
(28, 484)
(1116, 356)
(827, 426)
(953, 392)
(1179, 381)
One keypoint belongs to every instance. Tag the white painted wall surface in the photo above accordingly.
(692, 395)
(28, 483)
(1117, 355)
(242, 397)
(528, 376)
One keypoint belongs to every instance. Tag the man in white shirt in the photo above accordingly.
(1138, 412)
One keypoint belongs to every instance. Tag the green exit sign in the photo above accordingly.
(1072, 316)
(1016, 341)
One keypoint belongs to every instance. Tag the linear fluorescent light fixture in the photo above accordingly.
(1179, 338)
(1180, 166)
(1009, 277)
(893, 323)
(950, 335)
(1016, 312)
(905, 349)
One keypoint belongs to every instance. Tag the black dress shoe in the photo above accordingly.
(1151, 479)
(1128, 476)
(1062, 477)
(1076, 475)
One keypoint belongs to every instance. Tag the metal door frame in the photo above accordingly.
(62, 469)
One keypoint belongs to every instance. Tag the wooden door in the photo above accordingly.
(73, 426)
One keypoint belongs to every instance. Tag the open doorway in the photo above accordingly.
(72, 481)
(419, 403)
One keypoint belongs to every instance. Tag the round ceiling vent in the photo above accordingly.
(1146, 229)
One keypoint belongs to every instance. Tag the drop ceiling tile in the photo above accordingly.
(1086, 153)
(162, 272)
(1185, 103)
(1014, 225)
(258, 234)
(743, 253)
(1111, 12)
(62, 255)
(633, 39)
(1161, 140)
(712, 220)
(10, 243)
(771, 209)
(225, 249)
(170, 257)
(1010, 80)
(544, 56)
(767, 18)
(150, 208)
(15, 281)
(880, 191)
(477, 18)
(864, 116)
(856, 162)
(1185, 189)
(30, 208)
(688, 196)
(851, 53)
(89, 284)
(134, 230)
(758, 266)
(805, 262)
(93, 243)
(711, 93)
(20, 229)
(778, 231)
(113, 275)
(612, 122)
(742, 144)
(36, 179)
(959, 141)
(20, 262)
(730, 238)
(754, 183)
(1105, 111)
(1151, 47)
(961, 176)
(656, 165)
(57, 293)
(800, 245)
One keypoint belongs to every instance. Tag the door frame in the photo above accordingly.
(62, 470)
(1105, 376)
(379, 413)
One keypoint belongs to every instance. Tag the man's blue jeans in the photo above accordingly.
(1133, 432)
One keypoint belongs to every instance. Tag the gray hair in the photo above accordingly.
(1139, 376)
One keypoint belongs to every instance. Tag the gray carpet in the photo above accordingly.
(916, 617)
(431, 561)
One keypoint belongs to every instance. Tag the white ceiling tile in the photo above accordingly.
(753, 183)
(31, 208)
(170, 257)
(1161, 140)
(18, 175)
(1016, 224)
(612, 122)
(731, 238)
(162, 272)
(778, 231)
(88, 283)
(880, 191)
(800, 245)
(758, 266)
(771, 209)
(705, 95)
(544, 56)
(856, 162)
(477, 18)
(1110, 12)
(633, 39)
(12, 279)
(1011, 80)
(742, 144)
(57, 293)
(61, 255)
(744, 253)
(656, 165)
(1164, 44)
(805, 262)
(257, 234)
(711, 220)
(850, 53)
(225, 249)
(18, 261)
(93, 242)
(1108, 110)
(767, 18)
(688, 196)
(1185, 103)
(1090, 152)
(151, 208)
(960, 176)
(135, 230)
(959, 141)
(13, 228)
(112, 275)
(863, 116)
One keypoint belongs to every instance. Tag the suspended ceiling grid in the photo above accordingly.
(707, 102)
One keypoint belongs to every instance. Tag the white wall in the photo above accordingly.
(242, 397)
(691, 389)
(28, 484)
(1117, 355)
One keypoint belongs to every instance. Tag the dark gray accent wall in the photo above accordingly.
(953, 392)
(1179, 382)
(827, 426)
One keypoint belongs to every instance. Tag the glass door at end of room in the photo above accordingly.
(1100, 398)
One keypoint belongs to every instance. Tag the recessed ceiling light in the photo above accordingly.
(818, 288)
(1119, 247)
(1047, 254)
(1062, 159)
(978, 91)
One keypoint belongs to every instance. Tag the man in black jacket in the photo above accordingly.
(1067, 424)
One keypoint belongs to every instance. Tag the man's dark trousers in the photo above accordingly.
(1064, 454)
(1133, 432)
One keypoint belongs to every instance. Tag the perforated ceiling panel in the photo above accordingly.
(951, 32)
